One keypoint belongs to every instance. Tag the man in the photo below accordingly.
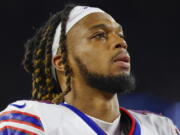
(79, 61)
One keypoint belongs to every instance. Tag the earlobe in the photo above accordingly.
(56, 61)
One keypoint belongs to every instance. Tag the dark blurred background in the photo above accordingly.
(152, 31)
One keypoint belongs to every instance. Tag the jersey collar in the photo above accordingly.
(134, 130)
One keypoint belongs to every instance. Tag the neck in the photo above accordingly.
(93, 102)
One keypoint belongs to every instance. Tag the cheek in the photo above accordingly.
(94, 59)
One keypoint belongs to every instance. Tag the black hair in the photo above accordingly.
(38, 55)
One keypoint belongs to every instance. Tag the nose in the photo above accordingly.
(119, 42)
(121, 45)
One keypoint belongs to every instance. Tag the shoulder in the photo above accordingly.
(157, 124)
(29, 117)
(34, 107)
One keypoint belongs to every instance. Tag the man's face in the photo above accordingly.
(97, 41)
(98, 52)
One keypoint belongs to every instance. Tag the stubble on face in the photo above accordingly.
(120, 84)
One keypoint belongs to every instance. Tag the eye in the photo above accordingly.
(99, 35)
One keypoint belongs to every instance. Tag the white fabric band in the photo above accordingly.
(76, 14)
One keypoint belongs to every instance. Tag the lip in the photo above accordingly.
(122, 60)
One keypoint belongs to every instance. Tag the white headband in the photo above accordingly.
(76, 14)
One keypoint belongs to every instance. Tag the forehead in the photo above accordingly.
(94, 19)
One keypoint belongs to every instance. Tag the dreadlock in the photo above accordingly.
(38, 55)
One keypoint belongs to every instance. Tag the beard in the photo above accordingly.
(120, 84)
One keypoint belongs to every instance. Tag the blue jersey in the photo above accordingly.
(36, 118)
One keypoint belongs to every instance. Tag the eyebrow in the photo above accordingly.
(103, 26)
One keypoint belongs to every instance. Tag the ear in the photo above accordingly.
(56, 61)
